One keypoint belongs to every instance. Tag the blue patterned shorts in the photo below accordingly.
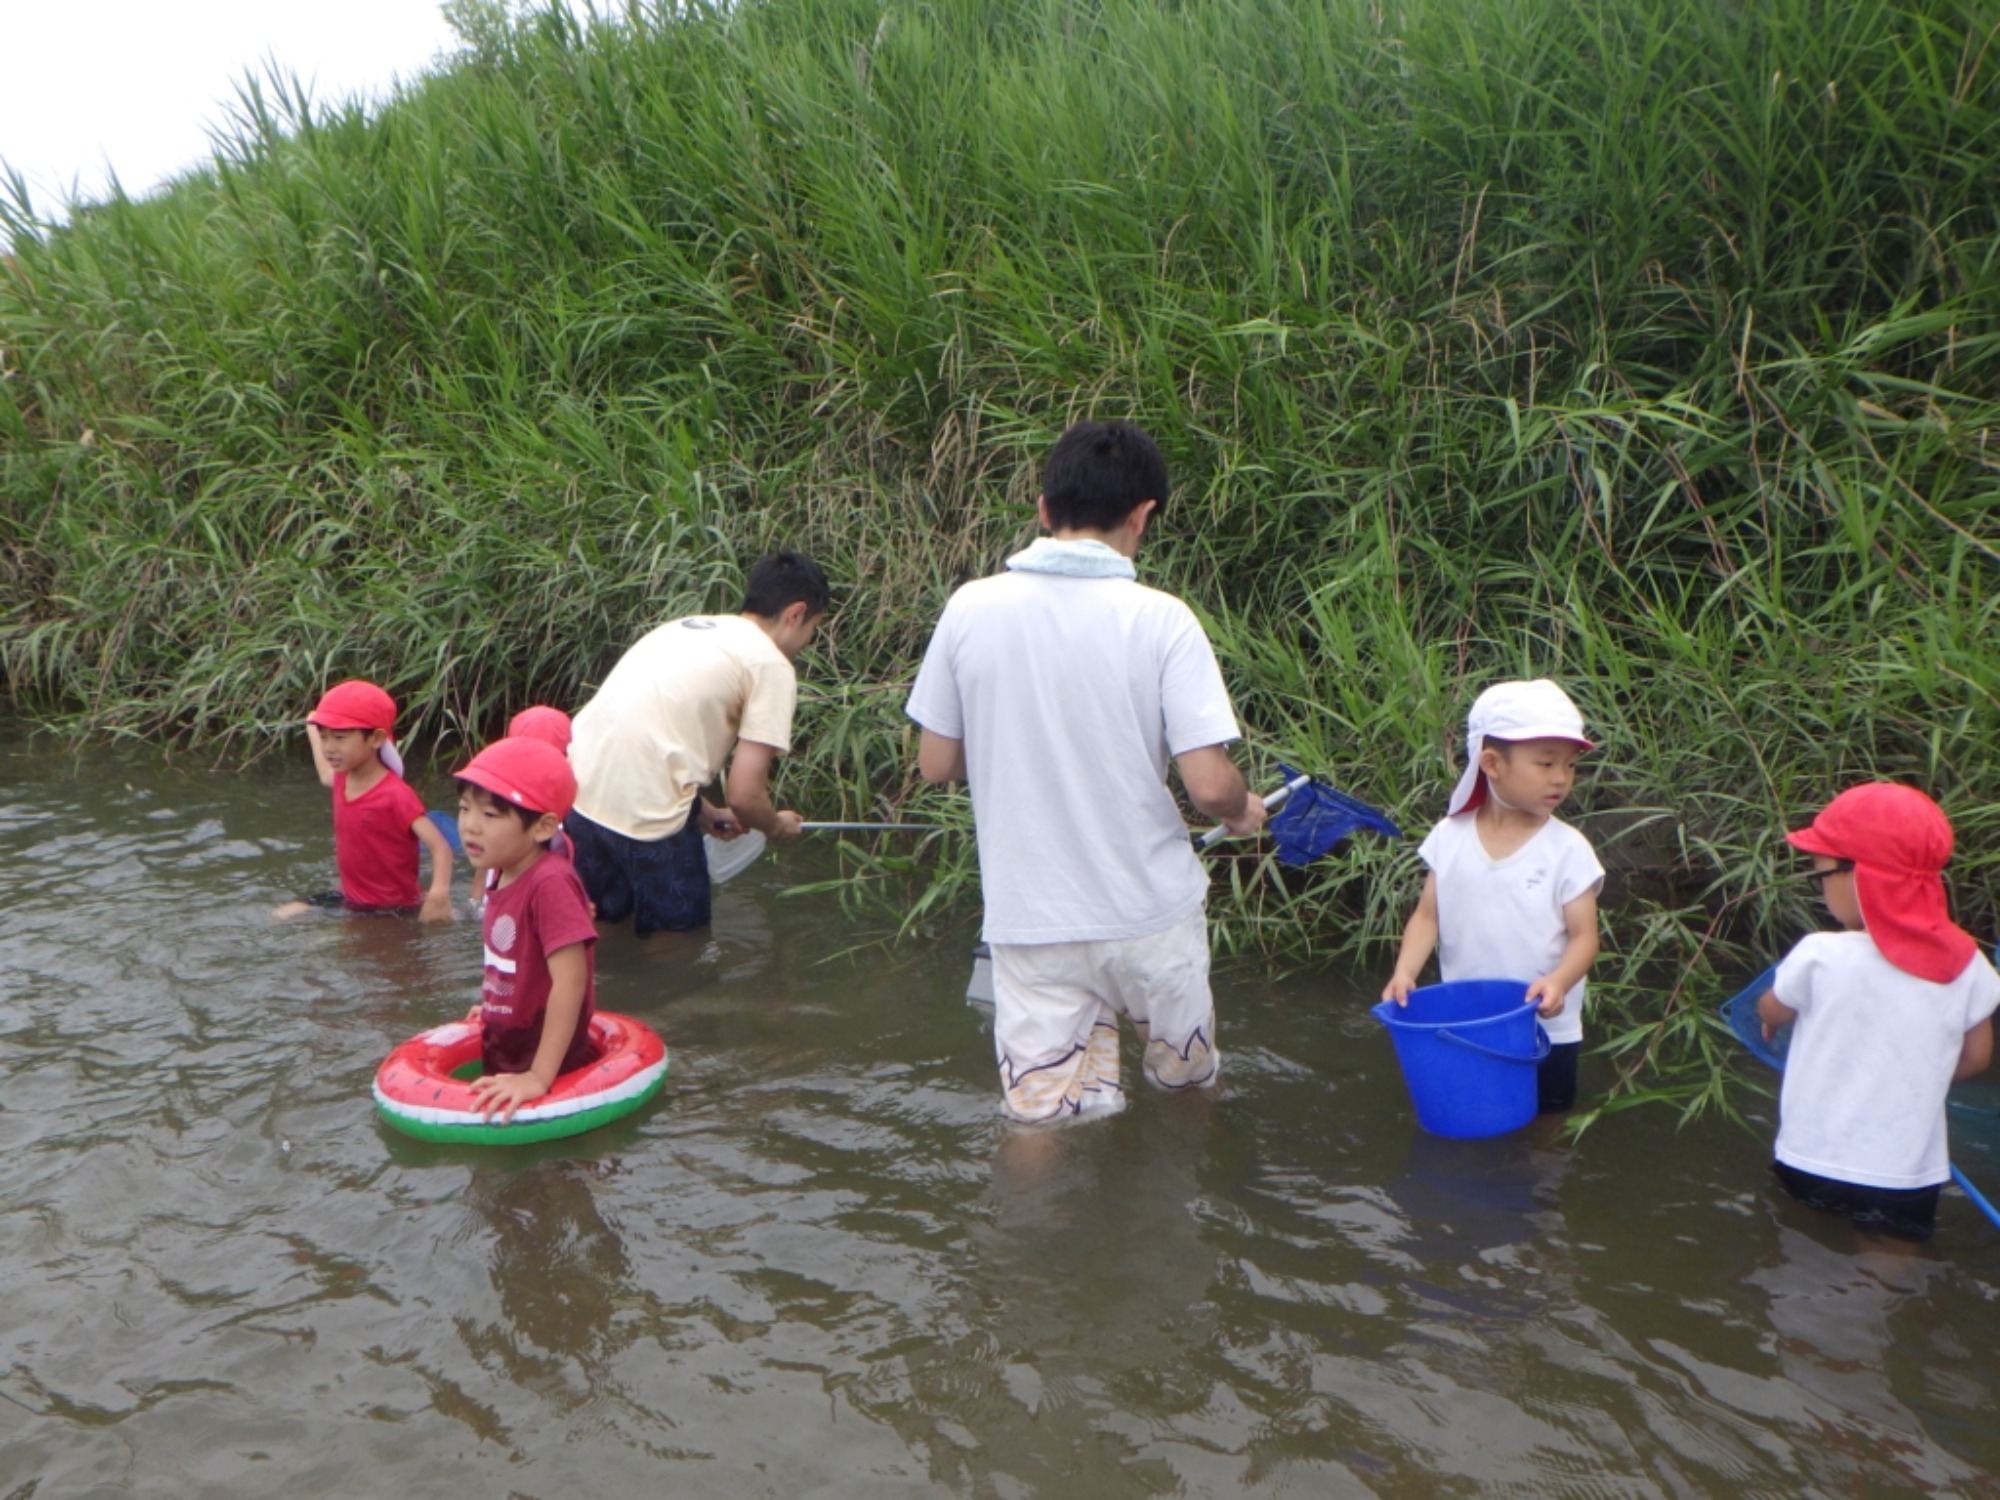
(662, 885)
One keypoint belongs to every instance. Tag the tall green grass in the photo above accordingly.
(1650, 344)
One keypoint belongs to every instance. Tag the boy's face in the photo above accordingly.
(1835, 878)
(795, 629)
(1532, 775)
(495, 837)
(350, 750)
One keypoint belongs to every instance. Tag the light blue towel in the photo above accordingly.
(1073, 559)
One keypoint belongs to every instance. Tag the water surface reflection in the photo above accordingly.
(820, 1266)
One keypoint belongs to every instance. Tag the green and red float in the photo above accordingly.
(424, 1087)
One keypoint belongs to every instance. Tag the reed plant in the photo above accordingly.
(1649, 344)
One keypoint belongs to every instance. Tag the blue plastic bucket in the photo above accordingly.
(1468, 1049)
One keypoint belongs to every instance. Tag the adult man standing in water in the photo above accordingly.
(687, 696)
(1059, 690)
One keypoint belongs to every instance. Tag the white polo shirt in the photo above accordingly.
(1071, 695)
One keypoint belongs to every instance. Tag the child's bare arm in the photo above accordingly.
(1774, 1013)
(506, 1092)
(319, 756)
(1580, 921)
(437, 901)
(1420, 938)
(1975, 1052)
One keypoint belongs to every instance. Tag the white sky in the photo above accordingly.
(136, 84)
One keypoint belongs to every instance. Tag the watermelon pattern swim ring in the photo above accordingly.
(424, 1087)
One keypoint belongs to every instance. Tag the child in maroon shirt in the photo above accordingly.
(540, 986)
(378, 822)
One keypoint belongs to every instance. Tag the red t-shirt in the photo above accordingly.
(542, 911)
(373, 844)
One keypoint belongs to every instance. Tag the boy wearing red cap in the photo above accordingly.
(1889, 1012)
(539, 990)
(1512, 890)
(378, 822)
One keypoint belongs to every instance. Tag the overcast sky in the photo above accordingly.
(92, 87)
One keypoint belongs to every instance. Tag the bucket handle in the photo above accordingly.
(1541, 1046)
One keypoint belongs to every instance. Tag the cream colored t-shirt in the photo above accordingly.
(665, 719)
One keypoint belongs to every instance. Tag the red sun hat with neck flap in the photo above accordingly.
(529, 773)
(354, 704)
(1898, 841)
(541, 722)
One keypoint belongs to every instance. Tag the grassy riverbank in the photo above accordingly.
(1650, 344)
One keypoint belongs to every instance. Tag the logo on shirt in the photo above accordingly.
(697, 624)
(500, 969)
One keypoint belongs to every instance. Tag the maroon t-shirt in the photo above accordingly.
(373, 844)
(542, 911)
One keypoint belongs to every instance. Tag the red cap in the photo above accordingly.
(541, 723)
(355, 705)
(526, 772)
(1898, 840)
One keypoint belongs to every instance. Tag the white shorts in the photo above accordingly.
(1055, 1018)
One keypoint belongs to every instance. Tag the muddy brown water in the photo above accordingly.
(819, 1265)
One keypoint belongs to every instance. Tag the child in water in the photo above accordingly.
(1886, 1015)
(539, 990)
(1512, 890)
(378, 822)
(538, 721)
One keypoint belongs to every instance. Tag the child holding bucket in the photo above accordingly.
(1512, 890)
(1889, 1012)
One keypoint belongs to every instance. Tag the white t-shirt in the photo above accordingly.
(1503, 918)
(1870, 1060)
(1071, 695)
(666, 717)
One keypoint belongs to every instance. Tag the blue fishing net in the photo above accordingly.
(1316, 817)
(1741, 1016)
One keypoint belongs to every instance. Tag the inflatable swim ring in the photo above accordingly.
(420, 1091)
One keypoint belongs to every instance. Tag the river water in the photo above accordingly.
(819, 1265)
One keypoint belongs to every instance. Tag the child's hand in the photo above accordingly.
(505, 1093)
(437, 908)
(1548, 999)
(1399, 987)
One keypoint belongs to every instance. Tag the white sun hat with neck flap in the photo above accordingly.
(1537, 710)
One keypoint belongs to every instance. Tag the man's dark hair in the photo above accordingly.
(783, 579)
(495, 803)
(1098, 471)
